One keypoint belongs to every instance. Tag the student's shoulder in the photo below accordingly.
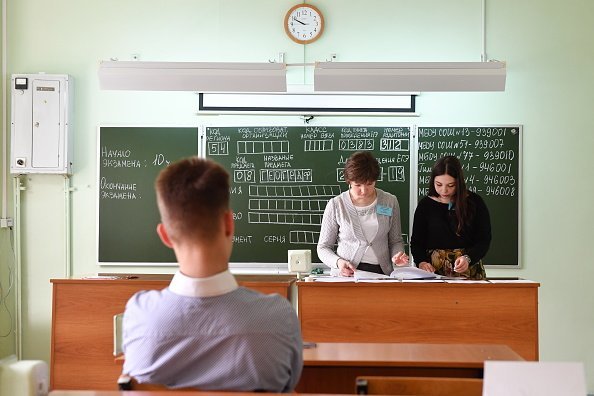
(146, 299)
(268, 300)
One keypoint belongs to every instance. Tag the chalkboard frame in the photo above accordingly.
(270, 267)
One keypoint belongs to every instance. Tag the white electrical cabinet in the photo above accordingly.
(40, 123)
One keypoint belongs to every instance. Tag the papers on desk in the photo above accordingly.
(399, 274)
(329, 278)
(465, 280)
(101, 277)
(511, 281)
(402, 274)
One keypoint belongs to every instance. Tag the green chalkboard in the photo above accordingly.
(490, 156)
(129, 160)
(282, 178)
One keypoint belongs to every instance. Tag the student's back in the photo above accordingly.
(241, 340)
(204, 331)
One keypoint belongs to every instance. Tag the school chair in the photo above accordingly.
(419, 386)
(23, 377)
(128, 383)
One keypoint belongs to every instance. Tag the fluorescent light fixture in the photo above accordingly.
(409, 76)
(193, 76)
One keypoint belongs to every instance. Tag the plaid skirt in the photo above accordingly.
(443, 261)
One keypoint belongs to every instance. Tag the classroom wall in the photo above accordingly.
(7, 335)
(546, 43)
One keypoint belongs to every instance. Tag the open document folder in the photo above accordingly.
(401, 273)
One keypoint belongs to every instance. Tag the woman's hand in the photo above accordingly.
(345, 267)
(461, 264)
(425, 266)
(400, 259)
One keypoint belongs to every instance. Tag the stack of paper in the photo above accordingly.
(401, 273)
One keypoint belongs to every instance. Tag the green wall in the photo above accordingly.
(550, 88)
(7, 294)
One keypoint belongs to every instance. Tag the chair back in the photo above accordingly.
(125, 383)
(534, 378)
(419, 386)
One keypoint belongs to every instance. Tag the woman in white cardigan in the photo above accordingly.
(361, 226)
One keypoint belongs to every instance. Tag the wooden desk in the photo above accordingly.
(148, 393)
(333, 367)
(156, 393)
(82, 324)
(422, 312)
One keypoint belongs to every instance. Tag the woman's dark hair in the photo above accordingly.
(361, 167)
(450, 165)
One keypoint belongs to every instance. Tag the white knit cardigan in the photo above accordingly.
(341, 235)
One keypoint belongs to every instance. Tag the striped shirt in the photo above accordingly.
(212, 335)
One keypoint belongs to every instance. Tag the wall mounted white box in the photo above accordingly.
(40, 123)
(299, 260)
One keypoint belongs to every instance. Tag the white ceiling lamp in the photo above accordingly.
(409, 76)
(193, 76)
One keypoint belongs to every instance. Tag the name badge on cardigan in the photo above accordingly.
(384, 210)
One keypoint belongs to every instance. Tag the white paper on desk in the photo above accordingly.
(409, 273)
(366, 275)
(464, 280)
(330, 279)
(436, 280)
(399, 273)
(510, 281)
(378, 280)
(101, 277)
(534, 378)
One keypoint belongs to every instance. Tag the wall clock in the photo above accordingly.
(304, 23)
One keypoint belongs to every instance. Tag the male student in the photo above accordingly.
(204, 330)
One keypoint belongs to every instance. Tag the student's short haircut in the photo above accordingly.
(361, 167)
(192, 195)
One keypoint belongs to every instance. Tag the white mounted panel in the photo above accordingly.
(410, 76)
(301, 99)
(193, 76)
(40, 124)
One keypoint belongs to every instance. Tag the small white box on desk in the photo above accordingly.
(299, 260)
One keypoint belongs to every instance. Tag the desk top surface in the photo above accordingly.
(159, 393)
(166, 278)
(401, 354)
(466, 283)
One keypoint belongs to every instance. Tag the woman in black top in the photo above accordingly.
(451, 229)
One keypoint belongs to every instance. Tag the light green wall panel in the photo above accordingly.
(550, 85)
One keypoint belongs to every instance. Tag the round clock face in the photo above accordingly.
(304, 23)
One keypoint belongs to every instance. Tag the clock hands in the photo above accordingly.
(297, 20)
(304, 23)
